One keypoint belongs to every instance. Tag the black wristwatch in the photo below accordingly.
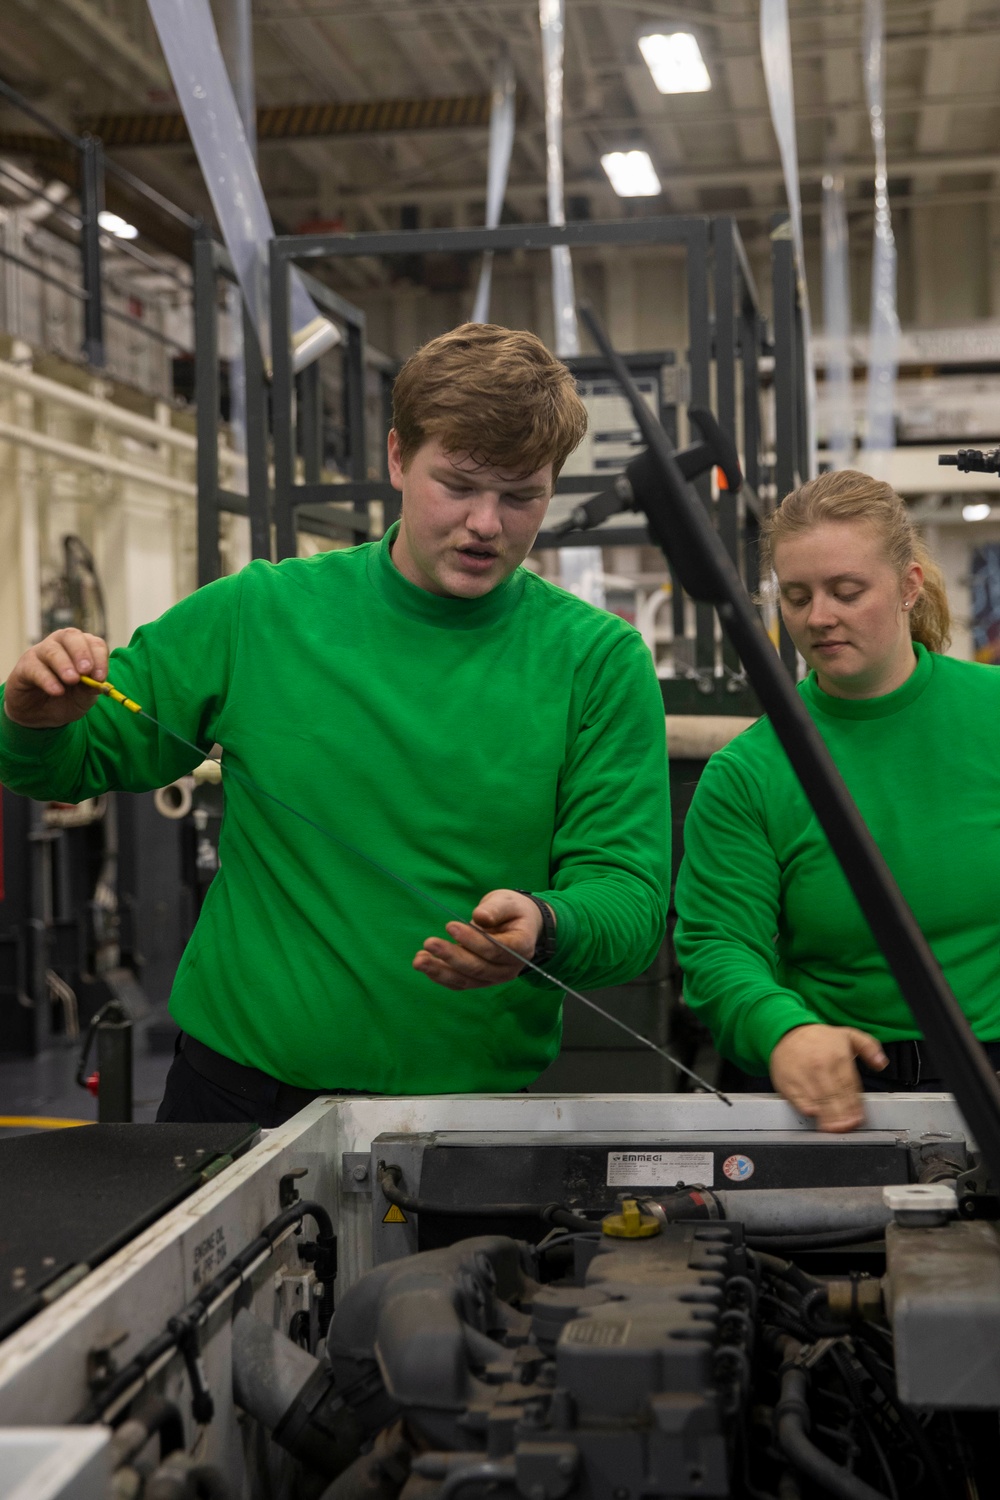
(546, 946)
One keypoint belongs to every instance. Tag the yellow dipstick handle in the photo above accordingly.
(111, 692)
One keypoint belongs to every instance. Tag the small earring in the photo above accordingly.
(906, 605)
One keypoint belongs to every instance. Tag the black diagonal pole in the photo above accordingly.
(684, 532)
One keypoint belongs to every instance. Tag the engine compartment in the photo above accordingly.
(688, 1341)
(517, 1298)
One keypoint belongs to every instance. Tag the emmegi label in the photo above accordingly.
(660, 1168)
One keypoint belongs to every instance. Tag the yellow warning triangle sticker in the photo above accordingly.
(395, 1215)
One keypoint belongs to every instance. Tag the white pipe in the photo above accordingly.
(242, 69)
(776, 56)
(104, 411)
(501, 145)
(837, 323)
(884, 339)
(89, 458)
(646, 618)
(175, 800)
(552, 18)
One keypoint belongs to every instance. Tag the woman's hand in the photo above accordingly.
(44, 690)
(813, 1068)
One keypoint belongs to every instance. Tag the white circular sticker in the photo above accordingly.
(738, 1168)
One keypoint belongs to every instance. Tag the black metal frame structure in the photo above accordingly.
(212, 269)
(300, 395)
(274, 514)
(693, 234)
(791, 435)
(726, 333)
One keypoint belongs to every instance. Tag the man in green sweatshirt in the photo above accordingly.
(493, 741)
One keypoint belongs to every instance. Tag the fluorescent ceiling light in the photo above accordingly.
(631, 174)
(116, 225)
(675, 62)
(976, 512)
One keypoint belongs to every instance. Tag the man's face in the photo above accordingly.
(464, 527)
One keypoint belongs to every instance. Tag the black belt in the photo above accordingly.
(250, 1083)
(911, 1064)
(908, 1062)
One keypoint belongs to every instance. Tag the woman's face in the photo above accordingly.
(846, 608)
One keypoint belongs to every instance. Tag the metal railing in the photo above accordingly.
(80, 162)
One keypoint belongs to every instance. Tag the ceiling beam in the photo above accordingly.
(361, 118)
(896, 104)
(736, 174)
(282, 122)
(406, 17)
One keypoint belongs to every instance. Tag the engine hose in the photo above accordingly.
(388, 1176)
(794, 1211)
(181, 1331)
(814, 1305)
(838, 1355)
(793, 1416)
(154, 1415)
(870, 1363)
(793, 1242)
(786, 1271)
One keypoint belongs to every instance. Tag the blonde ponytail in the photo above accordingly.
(930, 619)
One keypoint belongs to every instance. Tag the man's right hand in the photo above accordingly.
(813, 1068)
(44, 691)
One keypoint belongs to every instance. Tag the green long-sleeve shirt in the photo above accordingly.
(770, 935)
(515, 740)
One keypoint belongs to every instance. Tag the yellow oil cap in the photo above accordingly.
(630, 1224)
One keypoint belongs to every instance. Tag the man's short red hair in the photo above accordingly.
(494, 393)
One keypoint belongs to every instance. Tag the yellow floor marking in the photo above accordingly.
(40, 1122)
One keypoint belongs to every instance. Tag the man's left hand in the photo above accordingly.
(470, 961)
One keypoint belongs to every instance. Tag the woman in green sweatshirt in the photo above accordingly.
(778, 959)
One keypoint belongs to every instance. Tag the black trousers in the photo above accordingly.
(203, 1087)
(911, 1070)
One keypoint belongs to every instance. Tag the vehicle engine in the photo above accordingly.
(643, 1356)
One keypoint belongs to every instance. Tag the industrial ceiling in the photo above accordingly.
(413, 149)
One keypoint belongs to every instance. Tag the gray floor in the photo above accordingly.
(45, 1086)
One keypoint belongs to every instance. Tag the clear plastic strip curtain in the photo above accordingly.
(191, 47)
(552, 16)
(239, 57)
(837, 324)
(883, 343)
(776, 55)
(501, 144)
